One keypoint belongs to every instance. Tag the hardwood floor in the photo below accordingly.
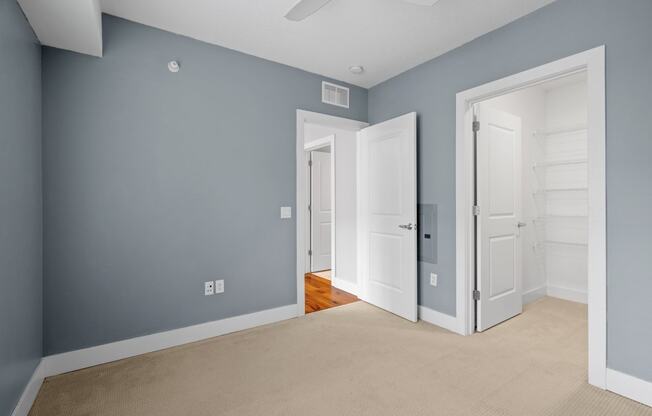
(320, 294)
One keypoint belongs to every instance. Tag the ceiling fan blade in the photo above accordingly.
(305, 8)
(422, 2)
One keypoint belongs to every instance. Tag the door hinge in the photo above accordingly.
(476, 210)
(309, 208)
(476, 126)
(476, 295)
(310, 163)
(310, 252)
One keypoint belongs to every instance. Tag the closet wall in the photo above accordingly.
(561, 199)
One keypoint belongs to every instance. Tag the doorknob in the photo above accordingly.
(521, 224)
(409, 226)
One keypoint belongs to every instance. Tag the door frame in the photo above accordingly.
(328, 141)
(593, 63)
(302, 187)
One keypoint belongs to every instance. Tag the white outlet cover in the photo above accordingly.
(286, 212)
(433, 279)
(209, 288)
(219, 286)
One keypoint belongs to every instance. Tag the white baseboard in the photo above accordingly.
(534, 294)
(440, 319)
(629, 386)
(75, 360)
(345, 285)
(568, 294)
(29, 394)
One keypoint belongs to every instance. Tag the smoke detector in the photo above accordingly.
(173, 66)
(356, 69)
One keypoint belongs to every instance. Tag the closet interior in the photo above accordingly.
(554, 186)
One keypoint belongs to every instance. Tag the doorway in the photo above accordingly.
(321, 207)
(326, 215)
(563, 197)
(321, 210)
(373, 211)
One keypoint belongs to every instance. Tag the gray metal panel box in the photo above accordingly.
(427, 228)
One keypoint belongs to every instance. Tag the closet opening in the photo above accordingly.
(531, 207)
(532, 197)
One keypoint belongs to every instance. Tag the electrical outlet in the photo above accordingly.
(219, 286)
(209, 288)
(433, 279)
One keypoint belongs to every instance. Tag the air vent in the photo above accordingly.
(334, 94)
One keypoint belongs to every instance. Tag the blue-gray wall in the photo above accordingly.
(156, 182)
(20, 204)
(561, 29)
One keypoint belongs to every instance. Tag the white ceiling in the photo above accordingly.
(387, 37)
(75, 25)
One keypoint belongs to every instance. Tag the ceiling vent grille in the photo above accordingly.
(334, 94)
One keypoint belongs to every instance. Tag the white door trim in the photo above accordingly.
(593, 62)
(304, 117)
(328, 141)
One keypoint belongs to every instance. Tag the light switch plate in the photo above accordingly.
(433, 279)
(286, 212)
(219, 286)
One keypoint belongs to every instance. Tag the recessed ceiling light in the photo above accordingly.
(356, 69)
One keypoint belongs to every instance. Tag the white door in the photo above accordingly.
(387, 212)
(321, 217)
(499, 200)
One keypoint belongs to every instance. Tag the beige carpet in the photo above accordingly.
(354, 360)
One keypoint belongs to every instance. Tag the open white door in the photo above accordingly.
(321, 214)
(387, 212)
(498, 256)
